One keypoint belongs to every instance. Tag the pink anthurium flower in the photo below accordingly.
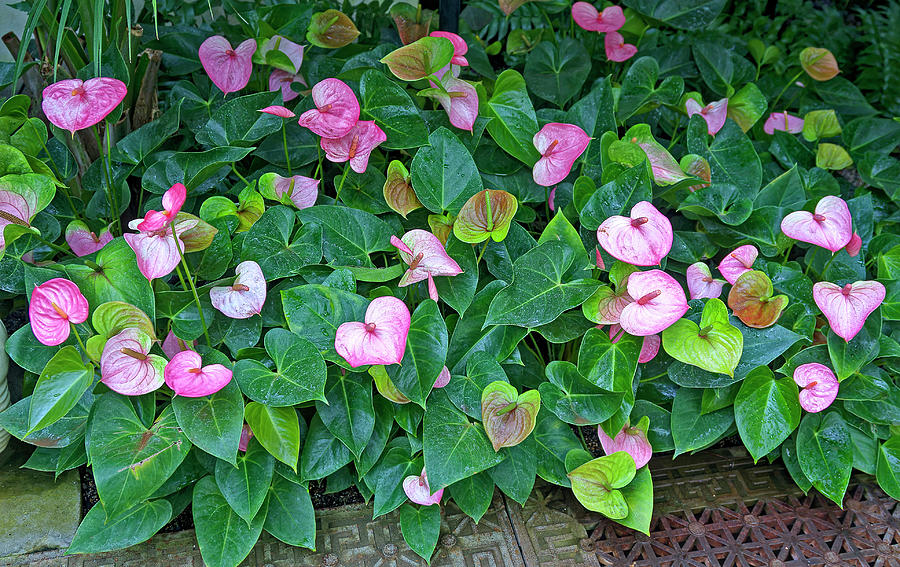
(784, 122)
(616, 48)
(228, 68)
(246, 296)
(701, 283)
(127, 366)
(81, 239)
(14, 209)
(847, 308)
(418, 491)
(426, 258)
(54, 305)
(73, 104)
(819, 386)
(157, 251)
(632, 440)
(853, 247)
(443, 378)
(830, 226)
(355, 146)
(380, 339)
(649, 347)
(598, 260)
(460, 102)
(559, 145)
(278, 111)
(658, 302)
(588, 18)
(713, 113)
(336, 111)
(172, 345)
(282, 80)
(643, 239)
(737, 262)
(246, 436)
(460, 47)
(172, 201)
(187, 376)
(551, 202)
(302, 191)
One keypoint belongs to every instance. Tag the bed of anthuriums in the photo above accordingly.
(418, 263)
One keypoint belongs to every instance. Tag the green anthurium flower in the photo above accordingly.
(596, 484)
(508, 417)
(714, 345)
(486, 214)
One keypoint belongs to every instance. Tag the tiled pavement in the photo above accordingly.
(711, 511)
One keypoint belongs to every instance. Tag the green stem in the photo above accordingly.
(828, 263)
(337, 194)
(319, 167)
(507, 409)
(537, 350)
(287, 156)
(193, 290)
(241, 177)
(118, 217)
(109, 190)
(80, 343)
(786, 87)
(481, 254)
(54, 246)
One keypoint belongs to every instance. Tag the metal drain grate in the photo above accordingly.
(722, 512)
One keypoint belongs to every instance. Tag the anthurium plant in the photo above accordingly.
(345, 249)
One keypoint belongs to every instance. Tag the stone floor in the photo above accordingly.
(711, 510)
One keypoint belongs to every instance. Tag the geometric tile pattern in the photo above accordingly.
(712, 510)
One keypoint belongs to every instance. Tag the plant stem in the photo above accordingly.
(319, 166)
(241, 177)
(786, 87)
(481, 254)
(193, 289)
(287, 156)
(80, 343)
(337, 194)
(828, 263)
(109, 190)
(109, 174)
(54, 246)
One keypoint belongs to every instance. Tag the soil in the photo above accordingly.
(15, 320)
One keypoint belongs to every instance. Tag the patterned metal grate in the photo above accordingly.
(718, 513)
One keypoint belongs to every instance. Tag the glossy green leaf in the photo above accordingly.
(609, 365)
(425, 355)
(225, 539)
(731, 156)
(246, 484)
(323, 453)
(268, 243)
(97, 533)
(444, 175)
(347, 410)
(513, 121)
(766, 411)
(555, 71)
(691, 429)
(348, 235)
(299, 374)
(680, 14)
(59, 387)
(116, 278)
(385, 102)
(290, 516)
(888, 467)
(421, 527)
(473, 495)
(824, 452)
(714, 345)
(575, 400)
(276, 429)
(213, 423)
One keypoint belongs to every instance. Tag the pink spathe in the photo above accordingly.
(830, 226)
(279, 111)
(713, 113)
(559, 145)
(282, 80)
(443, 378)
(632, 440)
(649, 346)
(616, 48)
(300, 190)
(54, 305)
(380, 338)
(73, 104)
(426, 258)
(658, 302)
(818, 386)
(172, 345)
(244, 298)
(336, 111)
(127, 367)
(848, 307)
(16, 207)
(700, 282)
(157, 251)
(588, 18)
(418, 491)
(737, 262)
(642, 239)
(82, 240)
(187, 376)
(784, 122)
(229, 69)
(460, 47)
(355, 146)
(172, 201)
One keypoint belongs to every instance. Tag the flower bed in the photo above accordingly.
(261, 249)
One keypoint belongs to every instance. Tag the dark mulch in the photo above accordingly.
(15, 320)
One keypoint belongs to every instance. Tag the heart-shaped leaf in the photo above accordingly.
(597, 483)
(714, 345)
(289, 515)
(513, 120)
(331, 29)
(444, 174)
(298, 377)
(213, 423)
(277, 429)
(97, 533)
(825, 452)
(223, 536)
(419, 59)
(486, 214)
(766, 411)
(348, 411)
(538, 294)
(59, 387)
(575, 400)
(131, 460)
(508, 417)
(752, 301)
(609, 365)
(245, 484)
(426, 353)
